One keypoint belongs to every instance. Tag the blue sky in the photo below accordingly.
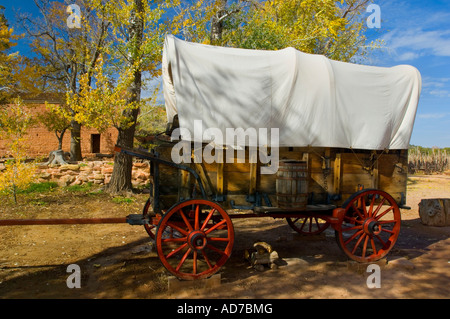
(413, 32)
(418, 33)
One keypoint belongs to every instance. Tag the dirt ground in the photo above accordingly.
(119, 261)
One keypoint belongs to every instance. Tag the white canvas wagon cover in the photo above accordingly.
(312, 100)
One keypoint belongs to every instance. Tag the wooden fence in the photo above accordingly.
(428, 161)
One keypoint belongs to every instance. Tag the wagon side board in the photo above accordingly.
(334, 174)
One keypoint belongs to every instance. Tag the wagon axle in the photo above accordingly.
(371, 227)
(197, 240)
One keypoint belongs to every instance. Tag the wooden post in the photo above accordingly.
(185, 181)
(219, 179)
(337, 174)
(375, 177)
(202, 174)
(253, 172)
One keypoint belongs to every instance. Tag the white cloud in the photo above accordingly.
(412, 43)
(433, 115)
(413, 29)
(440, 93)
(430, 82)
(408, 56)
(436, 86)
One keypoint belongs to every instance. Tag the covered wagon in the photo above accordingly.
(282, 134)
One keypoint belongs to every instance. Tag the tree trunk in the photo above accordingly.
(75, 141)
(123, 163)
(216, 23)
(60, 137)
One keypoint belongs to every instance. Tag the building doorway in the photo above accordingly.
(95, 143)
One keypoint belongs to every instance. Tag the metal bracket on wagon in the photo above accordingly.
(137, 219)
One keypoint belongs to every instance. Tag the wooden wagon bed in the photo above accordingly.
(333, 176)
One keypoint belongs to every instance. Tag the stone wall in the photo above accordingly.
(97, 172)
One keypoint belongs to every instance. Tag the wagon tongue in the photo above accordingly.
(132, 219)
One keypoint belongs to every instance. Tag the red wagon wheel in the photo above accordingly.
(370, 226)
(308, 225)
(194, 239)
(150, 228)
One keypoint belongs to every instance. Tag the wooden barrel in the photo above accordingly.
(292, 185)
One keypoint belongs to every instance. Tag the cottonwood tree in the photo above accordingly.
(64, 53)
(332, 28)
(54, 121)
(8, 59)
(136, 37)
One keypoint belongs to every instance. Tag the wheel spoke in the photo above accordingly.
(308, 225)
(387, 231)
(215, 226)
(207, 219)
(353, 237)
(373, 246)
(194, 262)
(186, 221)
(380, 240)
(363, 203)
(184, 232)
(197, 212)
(174, 252)
(357, 211)
(365, 246)
(303, 223)
(317, 223)
(351, 228)
(358, 242)
(379, 207)
(371, 206)
(218, 239)
(353, 220)
(207, 259)
(173, 240)
(384, 222)
(183, 259)
(217, 250)
(384, 213)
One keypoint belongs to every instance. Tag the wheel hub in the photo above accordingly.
(197, 240)
(371, 226)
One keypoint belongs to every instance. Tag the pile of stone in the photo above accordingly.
(97, 172)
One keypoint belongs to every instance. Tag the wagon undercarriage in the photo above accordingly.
(194, 237)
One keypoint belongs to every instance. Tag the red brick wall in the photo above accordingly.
(41, 142)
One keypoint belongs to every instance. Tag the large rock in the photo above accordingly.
(435, 211)
(66, 180)
(69, 167)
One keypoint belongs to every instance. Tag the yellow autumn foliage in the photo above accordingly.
(17, 173)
